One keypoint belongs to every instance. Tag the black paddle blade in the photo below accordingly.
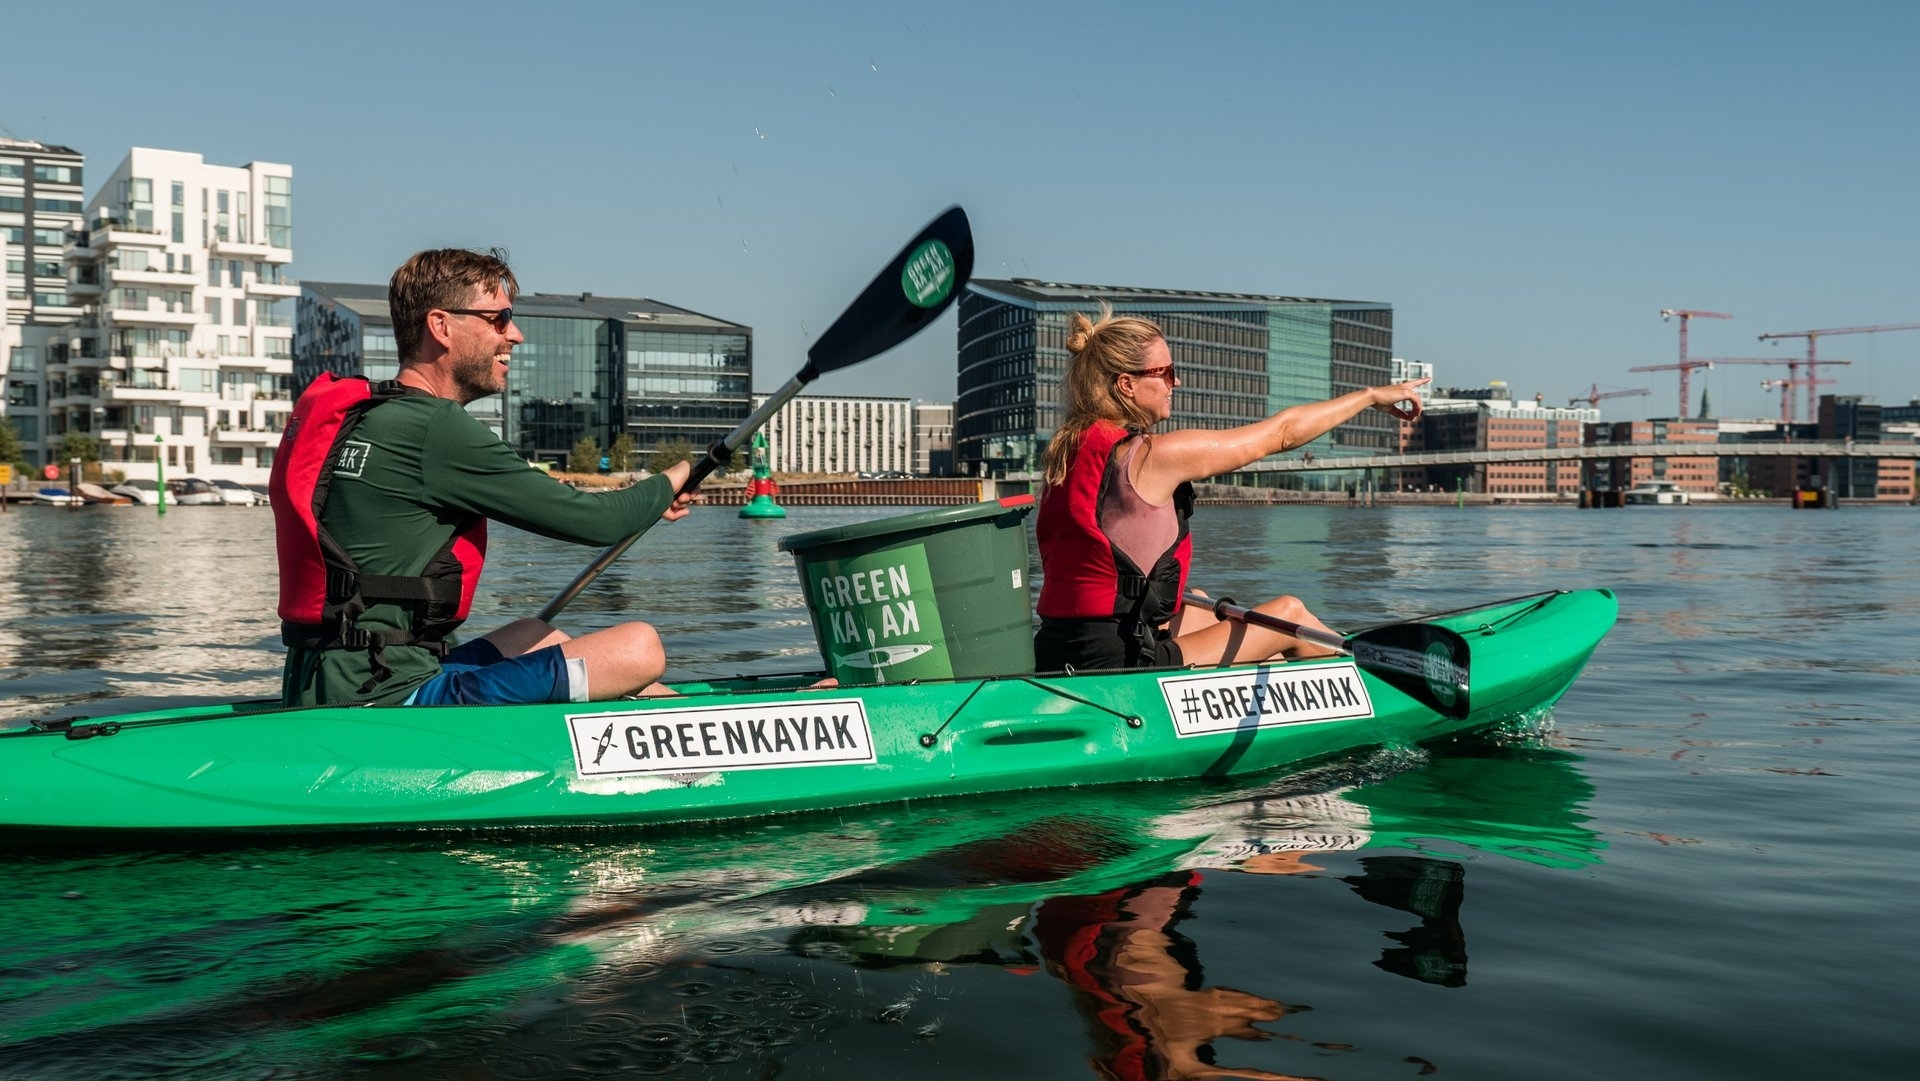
(1426, 662)
(921, 282)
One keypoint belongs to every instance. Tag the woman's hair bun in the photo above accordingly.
(1079, 333)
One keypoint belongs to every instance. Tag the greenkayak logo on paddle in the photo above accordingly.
(928, 276)
(1443, 679)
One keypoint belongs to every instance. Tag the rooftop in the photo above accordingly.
(1032, 289)
(370, 301)
(36, 146)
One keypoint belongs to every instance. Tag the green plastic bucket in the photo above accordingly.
(939, 594)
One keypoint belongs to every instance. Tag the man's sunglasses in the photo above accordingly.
(499, 317)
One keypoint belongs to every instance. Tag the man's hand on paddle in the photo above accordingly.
(683, 503)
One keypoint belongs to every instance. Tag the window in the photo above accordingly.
(280, 211)
(52, 238)
(56, 174)
(136, 201)
(21, 392)
(233, 272)
(212, 305)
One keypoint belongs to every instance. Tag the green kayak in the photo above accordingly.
(749, 747)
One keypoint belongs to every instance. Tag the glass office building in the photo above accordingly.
(1240, 357)
(590, 366)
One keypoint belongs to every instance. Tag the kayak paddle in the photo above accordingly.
(1426, 662)
(919, 284)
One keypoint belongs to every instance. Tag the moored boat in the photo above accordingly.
(1656, 493)
(755, 746)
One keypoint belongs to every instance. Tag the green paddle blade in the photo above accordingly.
(1426, 662)
(921, 282)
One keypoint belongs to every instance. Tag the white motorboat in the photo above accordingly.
(144, 492)
(192, 491)
(1656, 493)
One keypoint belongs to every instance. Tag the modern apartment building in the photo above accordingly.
(591, 366)
(1240, 357)
(179, 349)
(840, 435)
(40, 201)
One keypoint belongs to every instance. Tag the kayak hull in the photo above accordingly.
(752, 747)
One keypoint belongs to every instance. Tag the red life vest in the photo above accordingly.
(322, 591)
(1086, 576)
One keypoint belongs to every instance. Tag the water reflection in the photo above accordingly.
(678, 951)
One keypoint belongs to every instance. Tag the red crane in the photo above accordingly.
(1594, 396)
(1685, 367)
(1813, 360)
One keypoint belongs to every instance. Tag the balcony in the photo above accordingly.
(112, 233)
(286, 287)
(258, 437)
(151, 276)
(155, 314)
(231, 245)
(119, 394)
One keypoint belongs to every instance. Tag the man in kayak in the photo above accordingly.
(381, 497)
(1112, 527)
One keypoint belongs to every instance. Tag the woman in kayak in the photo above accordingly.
(1112, 528)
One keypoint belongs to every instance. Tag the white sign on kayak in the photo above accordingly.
(765, 735)
(1265, 697)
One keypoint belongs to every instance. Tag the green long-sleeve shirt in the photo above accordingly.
(429, 469)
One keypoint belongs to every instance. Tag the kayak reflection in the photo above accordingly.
(677, 950)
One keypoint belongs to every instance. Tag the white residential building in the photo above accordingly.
(40, 187)
(183, 349)
(839, 435)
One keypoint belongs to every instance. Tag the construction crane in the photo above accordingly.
(1703, 362)
(1685, 367)
(1786, 395)
(1813, 360)
(1594, 396)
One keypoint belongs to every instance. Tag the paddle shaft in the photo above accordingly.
(717, 455)
(1226, 609)
(922, 281)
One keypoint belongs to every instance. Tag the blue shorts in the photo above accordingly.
(475, 674)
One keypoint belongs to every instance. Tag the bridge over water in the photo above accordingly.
(1602, 452)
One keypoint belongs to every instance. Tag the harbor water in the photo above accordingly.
(1702, 864)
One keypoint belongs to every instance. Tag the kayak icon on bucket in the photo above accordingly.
(882, 656)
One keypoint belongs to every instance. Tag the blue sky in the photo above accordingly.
(1527, 183)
